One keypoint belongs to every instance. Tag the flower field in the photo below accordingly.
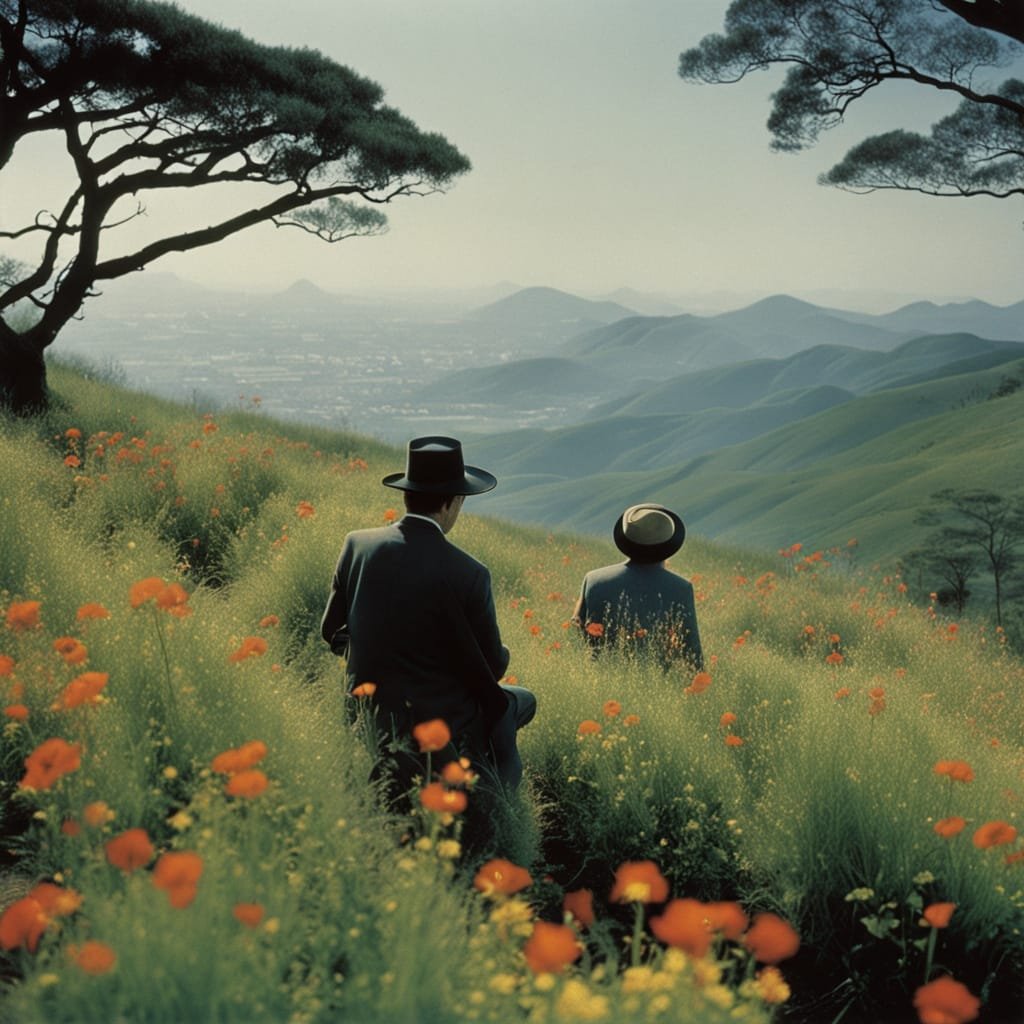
(823, 825)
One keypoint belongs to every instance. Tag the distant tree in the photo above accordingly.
(954, 568)
(146, 98)
(983, 520)
(837, 51)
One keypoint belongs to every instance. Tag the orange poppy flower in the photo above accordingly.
(639, 881)
(23, 614)
(733, 741)
(19, 712)
(145, 590)
(595, 629)
(23, 924)
(49, 761)
(727, 719)
(6, 665)
(173, 599)
(876, 693)
(364, 690)
(239, 759)
(957, 771)
(251, 646)
(249, 914)
(701, 681)
(435, 797)
(269, 620)
(70, 828)
(728, 918)
(458, 773)
(130, 850)
(842, 692)
(771, 939)
(55, 900)
(580, 905)
(684, 925)
(835, 658)
(97, 814)
(249, 783)
(432, 735)
(994, 833)
(305, 510)
(949, 827)
(73, 432)
(83, 689)
(501, 877)
(551, 947)
(946, 1001)
(93, 956)
(177, 872)
(91, 610)
(631, 720)
(937, 915)
(73, 651)
(611, 708)
(588, 727)
(390, 515)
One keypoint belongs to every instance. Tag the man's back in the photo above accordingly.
(639, 601)
(419, 620)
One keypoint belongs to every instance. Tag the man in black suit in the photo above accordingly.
(415, 616)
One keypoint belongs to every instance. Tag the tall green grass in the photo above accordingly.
(821, 793)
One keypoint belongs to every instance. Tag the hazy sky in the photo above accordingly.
(596, 166)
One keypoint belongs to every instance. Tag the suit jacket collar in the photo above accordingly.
(413, 518)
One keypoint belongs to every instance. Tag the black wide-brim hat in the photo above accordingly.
(648, 545)
(434, 465)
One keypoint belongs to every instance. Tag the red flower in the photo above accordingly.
(130, 850)
(501, 877)
(551, 947)
(588, 727)
(249, 914)
(611, 708)
(432, 735)
(240, 759)
(83, 689)
(639, 881)
(177, 873)
(685, 925)
(595, 629)
(701, 681)
(23, 614)
(771, 939)
(580, 904)
(945, 1001)
(49, 761)
(92, 610)
(23, 924)
(93, 956)
(249, 783)
(251, 646)
(938, 914)
(994, 833)
(957, 771)
(435, 797)
(949, 827)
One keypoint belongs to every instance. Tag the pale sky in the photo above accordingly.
(597, 167)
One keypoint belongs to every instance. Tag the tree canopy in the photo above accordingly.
(146, 98)
(836, 51)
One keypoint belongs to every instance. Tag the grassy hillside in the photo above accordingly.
(848, 767)
(860, 469)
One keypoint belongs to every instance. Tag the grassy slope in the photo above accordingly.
(808, 808)
(859, 469)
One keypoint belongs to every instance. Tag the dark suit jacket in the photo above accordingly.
(645, 597)
(415, 615)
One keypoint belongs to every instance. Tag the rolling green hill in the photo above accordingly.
(861, 469)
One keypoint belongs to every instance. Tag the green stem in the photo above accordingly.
(638, 931)
(172, 705)
(930, 954)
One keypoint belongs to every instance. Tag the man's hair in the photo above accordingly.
(425, 504)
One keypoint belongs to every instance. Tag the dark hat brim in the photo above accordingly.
(650, 552)
(473, 481)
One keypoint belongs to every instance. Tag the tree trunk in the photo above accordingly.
(23, 389)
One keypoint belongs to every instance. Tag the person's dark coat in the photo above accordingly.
(415, 615)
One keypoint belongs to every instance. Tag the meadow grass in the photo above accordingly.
(798, 778)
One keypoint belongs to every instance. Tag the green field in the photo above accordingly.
(851, 763)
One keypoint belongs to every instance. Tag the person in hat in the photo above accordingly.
(414, 615)
(640, 604)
